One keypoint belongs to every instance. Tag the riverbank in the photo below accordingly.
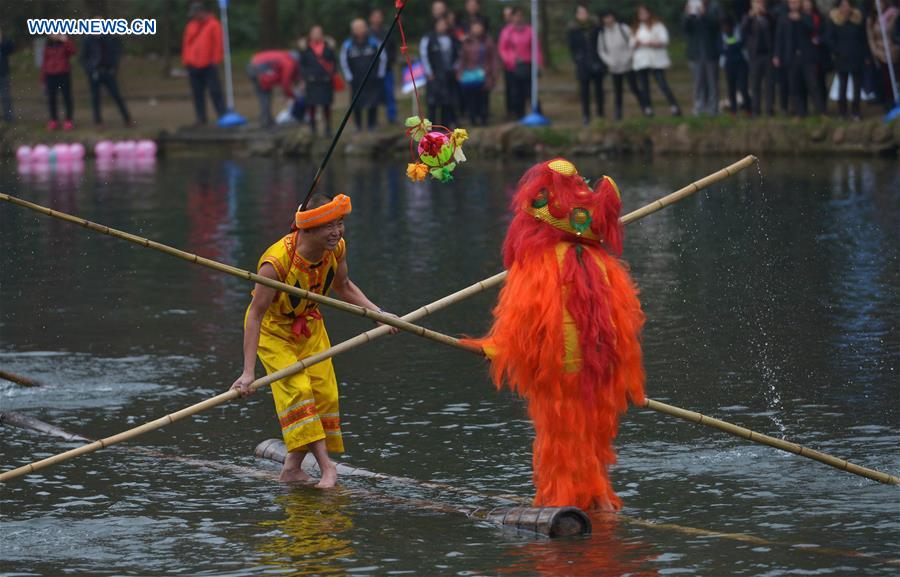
(658, 136)
(163, 110)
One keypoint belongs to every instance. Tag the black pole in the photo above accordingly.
(337, 135)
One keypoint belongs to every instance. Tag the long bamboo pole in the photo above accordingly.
(19, 379)
(318, 357)
(780, 444)
(241, 273)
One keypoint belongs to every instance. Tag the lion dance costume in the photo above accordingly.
(566, 330)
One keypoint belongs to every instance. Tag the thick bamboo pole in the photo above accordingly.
(241, 273)
(780, 444)
(319, 357)
(19, 379)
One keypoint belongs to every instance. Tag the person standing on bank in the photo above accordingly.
(56, 74)
(735, 64)
(100, 59)
(7, 47)
(758, 30)
(439, 52)
(846, 37)
(515, 52)
(356, 55)
(795, 51)
(589, 68)
(478, 70)
(201, 54)
(319, 65)
(701, 24)
(283, 329)
(651, 56)
(614, 44)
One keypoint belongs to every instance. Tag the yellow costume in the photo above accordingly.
(292, 329)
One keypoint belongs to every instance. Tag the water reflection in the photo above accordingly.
(312, 536)
(605, 553)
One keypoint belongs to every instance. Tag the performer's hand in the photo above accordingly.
(242, 385)
(394, 330)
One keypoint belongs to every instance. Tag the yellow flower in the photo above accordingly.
(460, 135)
(416, 171)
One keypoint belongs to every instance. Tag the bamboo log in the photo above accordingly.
(780, 444)
(268, 450)
(19, 379)
(550, 521)
(318, 357)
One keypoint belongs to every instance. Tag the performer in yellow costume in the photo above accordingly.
(283, 329)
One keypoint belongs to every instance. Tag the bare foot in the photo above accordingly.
(294, 476)
(329, 477)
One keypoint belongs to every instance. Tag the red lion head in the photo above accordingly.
(554, 203)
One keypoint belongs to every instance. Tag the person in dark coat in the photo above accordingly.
(7, 47)
(795, 51)
(701, 26)
(100, 59)
(589, 69)
(439, 52)
(846, 37)
(356, 55)
(736, 68)
(318, 62)
(758, 29)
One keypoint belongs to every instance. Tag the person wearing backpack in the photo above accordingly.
(614, 41)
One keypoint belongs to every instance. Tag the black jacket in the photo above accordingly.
(793, 39)
(100, 54)
(847, 41)
(7, 47)
(583, 46)
(759, 36)
(703, 34)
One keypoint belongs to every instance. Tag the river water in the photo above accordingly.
(773, 301)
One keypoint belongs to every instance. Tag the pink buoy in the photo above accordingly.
(103, 149)
(128, 148)
(59, 152)
(146, 149)
(40, 154)
(23, 154)
(76, 151)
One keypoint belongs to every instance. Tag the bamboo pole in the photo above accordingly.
(318, 357)
(19, 379)
(244, 274)
(780, 444)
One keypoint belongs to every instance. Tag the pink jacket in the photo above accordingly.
(515, 46)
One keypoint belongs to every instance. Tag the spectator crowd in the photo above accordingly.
(776, 56)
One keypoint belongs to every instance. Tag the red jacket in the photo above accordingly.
(282, 69)
(202, 43)
(56, 57)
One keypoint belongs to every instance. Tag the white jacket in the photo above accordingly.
(614, 47)
(646, 56)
